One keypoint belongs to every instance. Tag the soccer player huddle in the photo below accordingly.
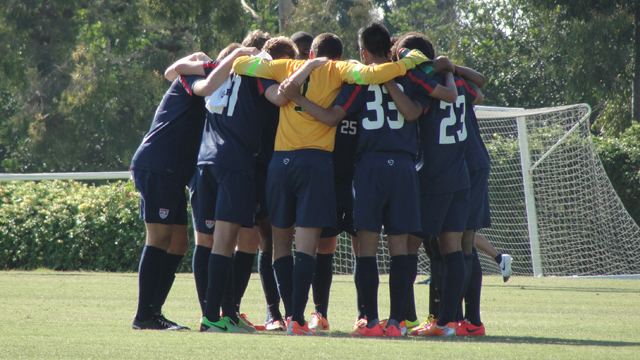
(279, 136)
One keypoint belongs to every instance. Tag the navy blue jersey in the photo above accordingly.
(231, 138)
(443, 136)
(476, 154)
(171, 146)
(268, 140)
(344, 151)
(382, 127)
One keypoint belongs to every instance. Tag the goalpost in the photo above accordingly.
(553, 207)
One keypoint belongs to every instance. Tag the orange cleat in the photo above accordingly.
(294, 328)
(434, 329)
(318, 322)
(465, 328)
(243, 317)
(376, 330)
(393, 331)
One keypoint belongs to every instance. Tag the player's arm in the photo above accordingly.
(218, 76)
(447, 92)
(442, 64)
(471, 75)
(410, 109)
(272, 94)
(378, 74)
(305, 70)
(330, 117)
(479, 95)
(199, 57)
(259, 67)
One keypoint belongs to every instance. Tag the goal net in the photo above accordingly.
(553, 207)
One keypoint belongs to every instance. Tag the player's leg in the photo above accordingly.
(321, 285)
(413, 245)
(307, 239)
(361, 320)
(175, 253)
(468, 244)
(234, 208)
(398, 283)
(283, 266)
(368, 281)
(160, 199)
(437, 267)
(273, 320)
(503, 260)
(200, 265)
(243, 259)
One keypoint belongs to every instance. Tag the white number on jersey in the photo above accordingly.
(451, 120)
(349, 127)
(376, 105)
(233, 97)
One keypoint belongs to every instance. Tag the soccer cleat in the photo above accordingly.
(360, 323)
(505, 267)
(425, 324)
(376, 330)
(403, 326)
(318, 323)
(294, 328)
(224, 325)
(162, 318)
(393, 331)
(247, 323)
(412, 324)
(434, 329)
(465, 328)
(275, 325)
(154, 323)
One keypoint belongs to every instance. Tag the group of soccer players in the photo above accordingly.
(270, 144)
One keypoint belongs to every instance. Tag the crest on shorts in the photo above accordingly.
(210, 223)
(285, 161)
(163, 213)
(390, 162)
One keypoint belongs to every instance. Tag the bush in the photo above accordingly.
(71, 226)
(621, 160)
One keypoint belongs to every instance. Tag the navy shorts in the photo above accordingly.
(261, 191)
(224, 194)
(162, 199)
(443, 212)
(479, 214)
(300, 189)
(386, 192)
(344, 211)
(204, 192)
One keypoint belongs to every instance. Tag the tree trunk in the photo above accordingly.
(285, 9)
(636, 75)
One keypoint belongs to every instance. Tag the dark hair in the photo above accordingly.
(228, 50)
(256, 39)
(301, 37)
(414, 40)
(328, 45)
(375, 39)
(280, 47)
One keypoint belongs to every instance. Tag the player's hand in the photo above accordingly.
(246, 51)
(200, 56)
(415, 57)
(442, 63)
(317, 62)
(289, 89)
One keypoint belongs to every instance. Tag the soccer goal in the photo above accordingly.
(553, 207)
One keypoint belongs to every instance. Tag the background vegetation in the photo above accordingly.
(81, 78)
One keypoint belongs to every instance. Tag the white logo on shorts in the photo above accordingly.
(164, 213)
(257, 208)
(286, 161)
(390, 162)
(210, 223)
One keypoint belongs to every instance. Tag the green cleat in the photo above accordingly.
(224, 325)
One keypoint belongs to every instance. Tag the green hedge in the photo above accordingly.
(71, 226)
(621, 160)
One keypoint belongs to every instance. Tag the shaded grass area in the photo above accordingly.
(46, 314)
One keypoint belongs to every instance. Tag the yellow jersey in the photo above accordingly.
(297, 129)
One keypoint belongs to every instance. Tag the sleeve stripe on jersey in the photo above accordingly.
(462, 82)
(186, 86)
(357, 76)
(420, 82)
(210, 64)
(352, 97)
(253, 67)
(427, 108)
(260, 86)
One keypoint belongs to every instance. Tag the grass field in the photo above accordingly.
(45, 314)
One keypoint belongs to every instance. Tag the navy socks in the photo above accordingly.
(472, 295)
(167, 277)
(242, 266)
(269, 286)
(283, 269)
(322, 282)
(302, 278)
(200, 265)
(367, 272)
(219, 270)
(398, 282)
(151, 263)
(410, 313)
(453, 277)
